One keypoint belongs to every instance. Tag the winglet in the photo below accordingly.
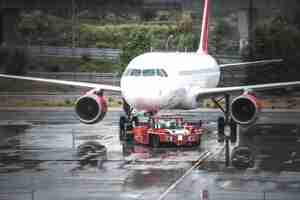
(203, 47)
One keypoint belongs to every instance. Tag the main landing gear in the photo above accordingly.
(226, 122)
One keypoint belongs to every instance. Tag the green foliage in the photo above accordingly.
(185, 23)
(138, 43)
(40, 28)
(217, 40)
(186, 41)
(277, 37)
(116, 36)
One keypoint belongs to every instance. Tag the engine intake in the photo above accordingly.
(91, 108)
(245, 109)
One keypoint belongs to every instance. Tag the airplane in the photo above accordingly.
(158, 80)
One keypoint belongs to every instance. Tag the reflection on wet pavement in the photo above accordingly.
(42, 161)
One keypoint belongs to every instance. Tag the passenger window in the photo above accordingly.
(148, 72)
(135, 72)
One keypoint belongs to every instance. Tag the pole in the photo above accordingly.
(251, 29)
(227, 153)
(227, 137)
(167, 43)
(73, 23)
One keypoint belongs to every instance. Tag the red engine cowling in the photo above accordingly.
(91, 108)
(245, 109)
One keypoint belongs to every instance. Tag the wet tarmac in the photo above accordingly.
(41, 161)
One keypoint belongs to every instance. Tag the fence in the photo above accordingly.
(103, 78)
(95, 53)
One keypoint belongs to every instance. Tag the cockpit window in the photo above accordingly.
(148, 72)
(135, 72)
(162, 73)
(169, 124)
(127, 72)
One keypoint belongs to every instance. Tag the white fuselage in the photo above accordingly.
(155, 81)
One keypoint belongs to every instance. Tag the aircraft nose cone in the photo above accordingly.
(142, 96)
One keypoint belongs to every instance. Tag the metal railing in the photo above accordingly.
(68, 52)
(104, 78)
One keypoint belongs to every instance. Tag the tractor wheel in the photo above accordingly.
(154, 141)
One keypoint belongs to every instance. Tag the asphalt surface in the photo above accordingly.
(39, 160)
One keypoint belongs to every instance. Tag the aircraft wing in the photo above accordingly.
(255, 63)
(261, 87)
(61, 82)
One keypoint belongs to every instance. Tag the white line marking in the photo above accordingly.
(202, 157)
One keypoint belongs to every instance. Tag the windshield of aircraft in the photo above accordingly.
(146, 72)
(149, 72)
(169, 124)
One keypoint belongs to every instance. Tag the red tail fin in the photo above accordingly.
(203, 47)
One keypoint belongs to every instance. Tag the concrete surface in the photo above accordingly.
(41, 162)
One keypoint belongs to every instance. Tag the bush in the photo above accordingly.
(187, 41)
(219, 36)
(138, 43)
(277, 37)
(185, 24)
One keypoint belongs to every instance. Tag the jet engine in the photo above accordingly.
(91, 107)
(245, 109)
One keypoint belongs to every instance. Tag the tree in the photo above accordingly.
(276, 37)
(217, 41)
(138, 43)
